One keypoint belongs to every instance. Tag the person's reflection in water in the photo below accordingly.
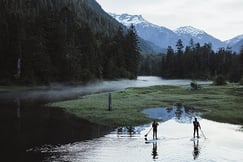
(154, 151)
(196, 151)
(18, 108)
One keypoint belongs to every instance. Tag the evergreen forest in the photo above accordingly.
(194, 62)
(63, 41)
(49, 41)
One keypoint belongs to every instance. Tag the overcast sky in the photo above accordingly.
(222, 19)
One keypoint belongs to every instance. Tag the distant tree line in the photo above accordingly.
(150, 64)
(54, 46)
(194, 62)
(200, 62)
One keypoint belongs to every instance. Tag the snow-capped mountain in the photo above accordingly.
(236, 43)
(160, 36)
(164, 37)
(127, 20)
(137, 20)
(199, 36)
(234, 40)
(188, 30)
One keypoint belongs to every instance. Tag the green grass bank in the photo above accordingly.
(218, 103)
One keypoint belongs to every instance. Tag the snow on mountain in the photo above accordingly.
(188, 30)
(164, 37)
(160, 36)
(199, 36)
(236, 43)
(127, 20)
(234, 40)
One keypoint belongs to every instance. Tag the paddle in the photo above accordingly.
(203, 133)
(147, 133)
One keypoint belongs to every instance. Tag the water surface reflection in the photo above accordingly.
(196, 150)
(25, 125)
(179, 113)
(154, 151)
(224, 143)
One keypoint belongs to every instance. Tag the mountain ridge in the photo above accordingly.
(164, 37)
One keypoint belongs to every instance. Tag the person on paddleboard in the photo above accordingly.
(154, 126)
(196, 125)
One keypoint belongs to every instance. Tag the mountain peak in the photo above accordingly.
(188, 30)
(164, 37)
(127, 19)
(234, 40)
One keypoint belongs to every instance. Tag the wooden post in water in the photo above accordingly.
(109, 102)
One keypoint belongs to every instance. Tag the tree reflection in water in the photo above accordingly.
(128, 131)
(180, 113)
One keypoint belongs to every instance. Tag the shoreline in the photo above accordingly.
(217, 103)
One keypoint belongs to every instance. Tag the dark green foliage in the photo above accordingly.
(150, 65)
(241, 61)
(61, 40)
(132, 55)
(219, 80)
(200, 62)
(241, 81)
(195, 86)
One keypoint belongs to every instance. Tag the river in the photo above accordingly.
(219, 142)
(33, 132)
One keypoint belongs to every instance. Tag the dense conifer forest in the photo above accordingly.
(76, 41)
(194, 62)
(63, 40)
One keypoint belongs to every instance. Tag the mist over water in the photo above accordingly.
(33, 132)
(60, 92)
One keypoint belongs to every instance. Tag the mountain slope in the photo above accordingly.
(236, 43)
(86, 12)
(145, 43)
(63, 40)
(237, 46)
(199, 36)
(148, 31)
(164, 37)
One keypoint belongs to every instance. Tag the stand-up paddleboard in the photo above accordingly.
(151, 140)
(195, 138)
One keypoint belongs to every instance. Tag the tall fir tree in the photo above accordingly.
(179, 59)
(241, 61)
(132, 52)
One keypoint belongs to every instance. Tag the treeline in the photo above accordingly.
(200, 62)
(194, 62)
(150, 64)
(54, 45)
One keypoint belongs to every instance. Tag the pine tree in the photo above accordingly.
(170, 62)
(132, 52)
(179, 59)
(241, 61)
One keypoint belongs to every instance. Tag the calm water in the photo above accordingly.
(223, 143)
(32, 132)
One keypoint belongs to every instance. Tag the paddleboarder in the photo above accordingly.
(154, 126)
(196, 125)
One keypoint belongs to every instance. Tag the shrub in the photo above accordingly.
(195, 86)
(241, 81)
(219, 80)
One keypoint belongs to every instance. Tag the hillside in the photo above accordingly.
(85, 11)
(62, 40)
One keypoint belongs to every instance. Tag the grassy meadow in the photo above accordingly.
(219, 103)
